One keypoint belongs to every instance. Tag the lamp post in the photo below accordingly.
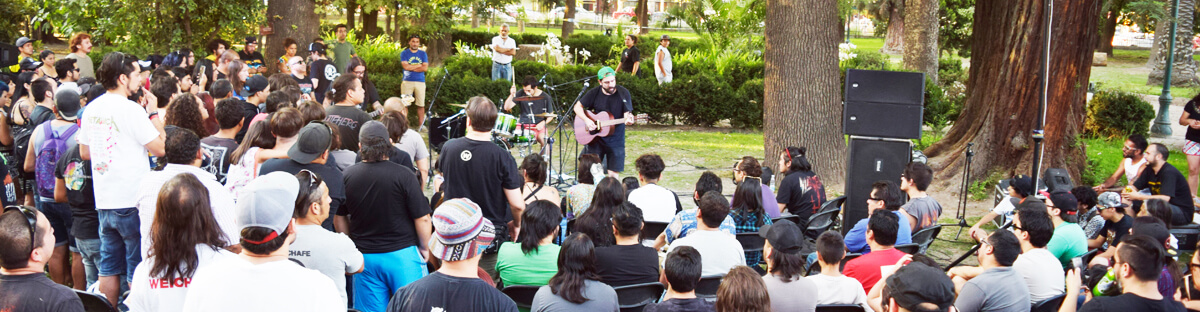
(1162, 126)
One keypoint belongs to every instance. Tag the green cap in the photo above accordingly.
(605, 72)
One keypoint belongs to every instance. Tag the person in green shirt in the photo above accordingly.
(340, 51)
(1069, 240)
(533, 258)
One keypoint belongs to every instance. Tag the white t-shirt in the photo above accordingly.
(657, 203)
(116, 131)
(332, 254)
(234, 284)
(719, 251)
(839, 290)
(666, 62)
(154, 294)
(219, 198)
(1043, 273)
(507, 43)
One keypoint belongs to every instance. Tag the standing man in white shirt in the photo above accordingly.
(503, 49)
(662, 61)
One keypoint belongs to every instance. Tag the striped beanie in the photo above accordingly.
(461, 232)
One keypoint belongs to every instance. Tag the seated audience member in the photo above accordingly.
(311, 152)
(627, 262)
(1133, 162)
(922, 210)
(721, 251)
(1068, 240)
(579, 196)
(531, 259)
(1163, 181)
(1020, 188)
(1189, 293)
(743, 290)
(681, 272)
(833, 287)
(917, 287)
(26, 245)
(658, 203)
(786, 268)
(330, 253)
(1139, 263)
(1116, 221)
(265, 208)
(596, 222)
(748, 214)
(1171, 275)
(748, 167)
(998, 287)
(533, 169)
(684, 222)
(1089, 214)
(882, 226)
(884, 195)
(631, 184)
(186, 238)
(575, 287)
(1160, 210)
(462, 233)
(801, 192)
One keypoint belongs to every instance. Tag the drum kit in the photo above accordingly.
(508, 132)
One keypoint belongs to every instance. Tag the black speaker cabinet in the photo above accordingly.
(871, 159)
(884, 104)
(8, 55)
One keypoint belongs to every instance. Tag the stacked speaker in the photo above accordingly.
(882, 113)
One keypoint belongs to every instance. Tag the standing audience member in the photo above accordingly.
(530, 260)
(684, 222)
(257, 90)
(311, 152)
(721, 251)
(784, 241)
(579, 196)
(662, 61)
(801, 192)
(627, 262)
(81, 45)
(881, 236)
(1068, 240)
(832, 286)
(533, 169)
(415, 62)
(1139, 262)
(244, 165)
(26, 245)
(409, 141)
(321, 72)
(743, 290)
(681, 272)
(655, 201)
(748, 167)
(254, 60)
(631, 57)
(221, 145)
(503, 49)
(265, 211)
(884, 195)
(332, 254)
(576, 286)
(394, 154)
(1164, 182)
(923, 211)
(342, 51)
(190, 239)
(68, 74)
(347, 95)
(47, 143)
(596, 222)
(998, 287)
(85, 223)
(462, 234)
(748, 215)
(1133, 161)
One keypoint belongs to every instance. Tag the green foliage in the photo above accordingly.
(601, 47)
(11, 15)
(734, 25)
(701, 100)
(950, 70)
(1116, 114)
(955, 24)
(868, 59)
(160, 25)
(939, 109)
(749, 108)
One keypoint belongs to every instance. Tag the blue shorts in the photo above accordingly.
(120, 242)
(383, 274)
(59, 216)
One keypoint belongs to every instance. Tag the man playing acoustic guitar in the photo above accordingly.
(602, 104)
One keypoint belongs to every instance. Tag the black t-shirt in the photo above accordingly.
(306, 85)
(1167, 181)
(76, 174)
(615, 104)
(1116, 229)
(480, 171)
(330, 174)
(325, 72)
(1193, 110)
(382, 200)
(248, 113)
(621, 265)
(218, 150)
(348, 120)
(36, 292)
(629, 56)
(370, 96)
(1131, 302)
(441, 292)
(681, 305)
(396, 156)
(803, 193)
(252, 60)
(530, 108)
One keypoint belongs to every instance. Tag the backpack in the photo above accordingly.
(53, 147)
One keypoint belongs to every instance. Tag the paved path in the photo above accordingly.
(1175, 140)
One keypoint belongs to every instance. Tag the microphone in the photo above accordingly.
(542, 81)
(451, 118)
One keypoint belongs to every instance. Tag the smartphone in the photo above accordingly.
(1077, 262)
(200, 72)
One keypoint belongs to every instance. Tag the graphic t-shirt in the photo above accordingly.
(1167, 181)
(629, 56)
(441, 292)
(324, 72)
(348, 120)
(306, 84)
(116, 131)
(218, 150)
(803, 193)
(148, 293)
(252, 60)
(414, 58)
(77, 176)
(480, 171)
(382, 200)
(332, 254)
(1114, 231)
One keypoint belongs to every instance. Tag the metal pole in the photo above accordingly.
(1038, 131)
(1162, 127)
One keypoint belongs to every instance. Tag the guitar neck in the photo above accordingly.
(606, 123)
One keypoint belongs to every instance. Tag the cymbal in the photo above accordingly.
(458, 105)
(546, 115)
(528, 98)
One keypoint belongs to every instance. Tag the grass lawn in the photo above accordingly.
(1126, 71)
(1107, 156)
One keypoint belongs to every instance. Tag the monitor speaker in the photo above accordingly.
(871, 160)
(884, 104)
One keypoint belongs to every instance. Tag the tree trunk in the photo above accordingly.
(1004, 88)
(296, 19)
(1183, 73)
(801, 84)
(475, 15)
(893, 43)
(643, 17)
(1160, 39)
(921, 36)
(1109, 29)
(568, 25)
(351, 7)
(370, 20)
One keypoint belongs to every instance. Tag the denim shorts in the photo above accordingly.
(89, 249)
(120, 241)
(59, 216)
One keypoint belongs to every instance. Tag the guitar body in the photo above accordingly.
(583, 136)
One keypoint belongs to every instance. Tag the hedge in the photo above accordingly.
(603, 48)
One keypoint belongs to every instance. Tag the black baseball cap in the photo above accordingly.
(312, 141)
(67, 102)
(255, 84)
(917, 284)
(251, 39)
(1064, 201)
(316, 47)
(784, 236)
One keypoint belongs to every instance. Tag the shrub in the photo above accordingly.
(701, 100)
(749, 113)
(1114, 114)
(941, 107)
(950, 70)
(868, 59)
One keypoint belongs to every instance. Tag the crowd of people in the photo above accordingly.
(201, 185)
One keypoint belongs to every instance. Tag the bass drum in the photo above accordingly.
(445, 129)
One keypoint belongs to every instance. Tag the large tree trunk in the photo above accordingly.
(370, 21)
(568, 25)
(921, 37)
(801, 95)
(282, 15)
(475, 15)
(1109, 28)
(1183, 73)
(1004, 90)
(643, 17)
(893, 43)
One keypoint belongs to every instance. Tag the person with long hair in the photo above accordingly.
(333, 254)
(742, 290)
(533, 168)
(409, 141)
(187, 238)
(749, 167)
(371, 100)
(347, 94)
(239, 73)
(530, 260)
(596, 222)
(579, 196)
(576, 286)
(244, 167)
(748, 213)
(289, 51)
(185, 111)
(801, 192)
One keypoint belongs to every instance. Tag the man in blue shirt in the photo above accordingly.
(884, 195)
(415, 63)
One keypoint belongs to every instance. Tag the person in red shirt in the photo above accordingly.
(881, 236)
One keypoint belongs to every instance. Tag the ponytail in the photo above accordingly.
(799, 163)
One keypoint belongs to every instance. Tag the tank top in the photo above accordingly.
(1131, 169)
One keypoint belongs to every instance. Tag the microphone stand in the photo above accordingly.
(568, 114)
(429, 107)
(973, 249)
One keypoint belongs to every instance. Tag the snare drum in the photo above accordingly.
(505, 124)
(525, 133)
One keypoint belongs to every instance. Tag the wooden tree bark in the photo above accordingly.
(351, 7)
(1109, 28)
(370, 22)
(643, 17)
(568, 26)
(921, 37)
(1004, 89)
(802, 103)
(893, 43)
(1183, 72)
(296, 19)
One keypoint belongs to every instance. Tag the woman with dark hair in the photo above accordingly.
(530, 260)
(576, 286)
(742, 290)
(244, 167)
(409, 141)
(533, 168)
(239, 73)
(289, 50)
(186, 238)
(185, 111)
(371, 97)
(596, 222)
(347, 93)
(47, 69)
(801, 192)
(747, 212)
(579, 196)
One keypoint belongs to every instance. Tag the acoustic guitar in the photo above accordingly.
(604, 126)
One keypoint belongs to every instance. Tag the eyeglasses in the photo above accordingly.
(1017, 227)
(875, 198)
(30, 217)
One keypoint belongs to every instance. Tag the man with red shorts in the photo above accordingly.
(533, 102)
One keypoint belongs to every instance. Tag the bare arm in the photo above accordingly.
(423, 170)
(85, 153)
(965, 272)
(5, 134)
(421, 68)
(424, 232)
(60, 191)
(635, 67)
(660, 241)
(1097, 242)
(1185, 119)
(516, 204)
(1072, 291)
(508, 102)
(1111, 179)
(29, 158)
(782, 207)
(658, 58)
(341, 224)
